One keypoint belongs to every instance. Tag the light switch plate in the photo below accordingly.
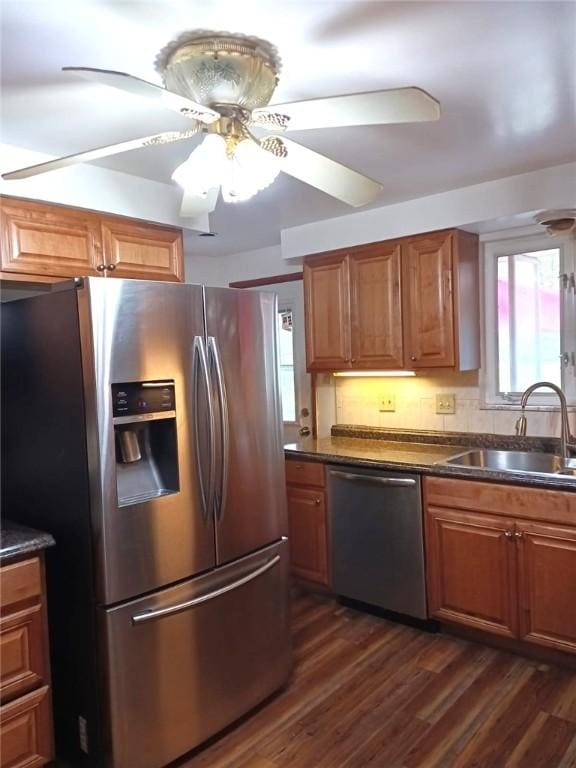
(445, 403)
(387, 402)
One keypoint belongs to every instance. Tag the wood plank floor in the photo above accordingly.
(369, 692)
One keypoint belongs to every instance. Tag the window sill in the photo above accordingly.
(518, 407)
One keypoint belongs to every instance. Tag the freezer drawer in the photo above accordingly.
(177, 674)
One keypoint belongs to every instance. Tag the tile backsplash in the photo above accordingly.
(357, 402)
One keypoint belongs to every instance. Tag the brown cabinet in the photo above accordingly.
(327, 301)
(25, 711)
(471, 570)
(40, 239)
(50, 241)
(376, 308)
(511, 574)
(142, 250)
(408, 303)
(307, 521)
(547, 589)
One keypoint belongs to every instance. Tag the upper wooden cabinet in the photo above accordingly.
(141, 250)
(376, 307)
(39, 239)
(327, 302)
(408, 303)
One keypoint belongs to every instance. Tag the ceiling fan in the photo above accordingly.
(223, 83)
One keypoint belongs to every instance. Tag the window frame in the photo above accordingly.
(501, 244)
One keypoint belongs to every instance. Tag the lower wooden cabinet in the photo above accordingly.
(471, 570)
(25, 714)
(507, 575)
(26, 730)
(547, 570)
(307, 522)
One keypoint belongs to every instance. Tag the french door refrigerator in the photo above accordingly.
(142, 428)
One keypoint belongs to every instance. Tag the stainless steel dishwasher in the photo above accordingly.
(377, 541)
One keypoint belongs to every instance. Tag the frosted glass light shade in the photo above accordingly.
(240, 176)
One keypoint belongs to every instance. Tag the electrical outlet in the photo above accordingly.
(445, 403)
(387, 402)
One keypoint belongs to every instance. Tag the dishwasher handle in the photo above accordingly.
(404, 482)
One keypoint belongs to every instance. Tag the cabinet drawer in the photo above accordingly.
(22, 653)
(20, 581)
(514, 501)
(25, 731)
(305, 473)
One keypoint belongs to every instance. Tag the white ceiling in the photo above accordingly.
(504, 72)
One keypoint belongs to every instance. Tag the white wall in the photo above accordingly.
(357, 402)
(99, 189)
(553, 187)
(247, 265)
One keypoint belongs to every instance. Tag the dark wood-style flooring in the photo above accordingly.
(369, 692)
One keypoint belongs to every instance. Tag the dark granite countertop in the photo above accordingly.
(398, 452)
(16, 540)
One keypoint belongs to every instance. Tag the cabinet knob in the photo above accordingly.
(509, 535)
(101, 267)
(317, 502)
(353, 360)
(413, 357)
(111, 267)
(519, 535)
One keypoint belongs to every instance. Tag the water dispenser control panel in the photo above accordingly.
(139, 398)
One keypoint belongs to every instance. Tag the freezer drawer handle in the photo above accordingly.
(148, 615)
(388, 481)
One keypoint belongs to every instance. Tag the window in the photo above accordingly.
(530, 318)
(286, 365)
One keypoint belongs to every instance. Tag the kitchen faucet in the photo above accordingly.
(567, 442)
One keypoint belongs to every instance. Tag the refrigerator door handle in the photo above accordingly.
(224, 427)
(171, 609)
(207, 490)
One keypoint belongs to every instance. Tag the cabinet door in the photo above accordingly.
(25, 731)
(142, 251)
(39, 239)
(429, 305)
(307, 534)
(376, 307)
(547, 585)
(471, 562)
(22, 652)
(327, 314)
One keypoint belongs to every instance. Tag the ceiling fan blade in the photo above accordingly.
(97, 154)
(399, 105)
(195, 205)
(135, 85)
(319, 171)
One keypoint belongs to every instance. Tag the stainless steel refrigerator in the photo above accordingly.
(142, 428)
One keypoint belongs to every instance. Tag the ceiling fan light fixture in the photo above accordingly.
(240, 169)
(204, 168)
(250, 169)
(220, 68)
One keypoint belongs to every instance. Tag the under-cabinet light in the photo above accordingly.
(374, 373)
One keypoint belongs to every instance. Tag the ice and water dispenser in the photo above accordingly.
(144, 415)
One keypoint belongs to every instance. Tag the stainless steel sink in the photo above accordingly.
(531, 462)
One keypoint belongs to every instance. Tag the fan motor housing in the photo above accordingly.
(220, 68)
